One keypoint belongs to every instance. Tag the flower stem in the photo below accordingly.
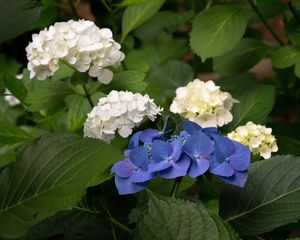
(294, 13)
(73, 9)
(120, 225)
(253, 5)
(88, 96)
(208, 4)
(175, 187)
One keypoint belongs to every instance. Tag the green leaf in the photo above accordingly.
(162, 20)
(136, 15)
(10, 134)
(7, 155)
(15, 86)
(286, 56)
(129, 80)
(47, 94)
(241, 58)
(270, 198)
(50, 175)
(17, 16)
(235, 83)
(77, 113)
(129, 2)
(64, 71)
(171, 75)
(255, 105)
(169, 218)
(218, 29)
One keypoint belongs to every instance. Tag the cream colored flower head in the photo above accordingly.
(257, 137)
(203, 103)
(79, 43)
(119, 111)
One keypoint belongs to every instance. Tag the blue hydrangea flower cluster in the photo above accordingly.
(194, 151)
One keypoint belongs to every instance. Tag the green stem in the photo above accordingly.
(293, 11)
(175, 187)
(253, 5)
(208, 4)
(73, 9)
(120, 225)
(88, 96)
(106, 5)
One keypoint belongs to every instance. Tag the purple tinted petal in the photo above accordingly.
(224, 147)
(139, 156)
(134, 141)
(240, 160)
(177, 149)
(123, 168)
(149, 135)
(141, 176)
(158, 166)
(238, 179)
(198, 167)
(191, 127)
(198, 145)
(178, 169)
(161, 150)
(224, 169)
(125, 186)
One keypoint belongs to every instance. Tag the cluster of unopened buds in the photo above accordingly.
(194, 151)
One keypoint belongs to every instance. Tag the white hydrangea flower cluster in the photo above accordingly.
(257, 137)
(203, 103)
(79, 43)
(120, 111)
(11, 99)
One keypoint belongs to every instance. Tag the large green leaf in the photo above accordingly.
(47, 94)
(217, 30)
(171, 75)
(168, 218)
(242, 57)
(17, 16)
(255, 105)
(49, 175)
(137, 14)
(270, 198)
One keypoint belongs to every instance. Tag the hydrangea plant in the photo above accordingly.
(136, 119)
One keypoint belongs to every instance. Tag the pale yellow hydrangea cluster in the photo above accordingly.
(257, 137)
(203, 103)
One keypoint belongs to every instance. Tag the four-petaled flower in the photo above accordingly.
(168, 159)
(230, 161)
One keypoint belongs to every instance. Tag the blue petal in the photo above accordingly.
(224, 147)
(240, 160)
(224, 169)
(161, 150)
(123, 168)
(149, 135)
(158, 166)
(211, 131)
(191, 127)
(177, 149)
(178, 169)
(238, 179)
(125, 186)
(139, 156)
(198, 167)
(141, 176)
(134, 141)
(198, 145)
